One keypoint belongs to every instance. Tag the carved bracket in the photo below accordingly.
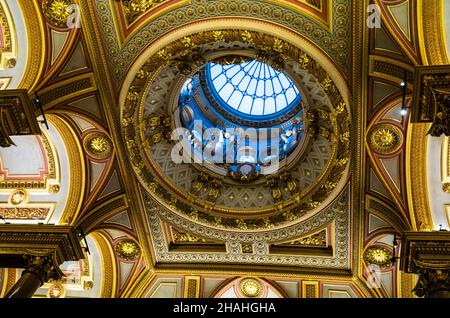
(431, 100)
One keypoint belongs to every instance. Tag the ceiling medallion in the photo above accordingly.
(378, 255)
(56, 291)
(57, 11)
(289, 198)
(128, 249)
(97, 145)
(386, 139)
(251, 287)
(18, 197)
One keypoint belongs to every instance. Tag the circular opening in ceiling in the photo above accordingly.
(252, 90)
(242, 118)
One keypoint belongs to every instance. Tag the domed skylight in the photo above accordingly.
(252, 88)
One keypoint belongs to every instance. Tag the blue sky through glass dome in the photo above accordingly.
(253, 88)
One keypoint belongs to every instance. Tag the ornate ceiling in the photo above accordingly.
(110, 91)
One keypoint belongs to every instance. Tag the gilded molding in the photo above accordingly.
(108, 267)
(57, 11)
(127, 249)
(417, 190)
(385, 138)
(147, 170)
(333, 43)
(251, 287)
(36, 44)
(134, 9)
(98, 145)
(7, 52)
(10, 280)
(192, 286)
(48, 181)
(432, 34)
(338, 211)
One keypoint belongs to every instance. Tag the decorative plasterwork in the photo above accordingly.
(336, 43)
(378, 255)
(7, 40)
(98, 145)
(318, 239)
(418, 201)
(136, 8)
(386, 139)
(399, 18)
(127, 249)
(337, 212)
(432, 32)
(286, 211)
(445, 164)
(431, 101)
(43, 179)
(34, 25)
(57, 12)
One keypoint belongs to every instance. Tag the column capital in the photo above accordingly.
(427, 254)
(42, 265)
(434, 281)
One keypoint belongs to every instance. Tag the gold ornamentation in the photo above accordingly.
(278, 45)
(340, 108)
(218, 222)
(183, 237)
(164, 54)
(446, 187)
(289, 216)
(133, 96)
(247, 248)
(304, 60)
(342, 161)
(203, 204)
(54, 188)
(97, 145)
(194, 215)
(241, 224)
(24, 213)
(56, 291)
(57, 11)
(315, 240)
(7, 40)
(345, 137)
(135, 8)
(386, 139)
(267, 223)
(378, 255)
(188, 42)
(312, 204)
(18, 197)
(141, 74)
(247, 37)
(251, 287)
(326, 83)
(153, 187)
(218, 36)
(315, 3)
(128, 249)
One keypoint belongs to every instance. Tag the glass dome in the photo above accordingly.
(252, 89)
